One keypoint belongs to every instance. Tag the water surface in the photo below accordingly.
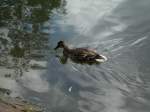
(119, 29)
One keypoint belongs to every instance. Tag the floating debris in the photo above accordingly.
(70, 89)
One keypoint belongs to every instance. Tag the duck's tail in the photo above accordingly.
(101, 58)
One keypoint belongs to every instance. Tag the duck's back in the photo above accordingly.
(82, 54)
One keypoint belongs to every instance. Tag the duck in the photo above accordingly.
(82, 55)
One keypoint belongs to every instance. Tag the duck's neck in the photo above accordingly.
(66, 49)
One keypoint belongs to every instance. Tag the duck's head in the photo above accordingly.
(60, 44)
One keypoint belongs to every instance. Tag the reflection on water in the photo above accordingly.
(24, 42)
(119, 29)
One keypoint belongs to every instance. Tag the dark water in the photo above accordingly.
(119, 29)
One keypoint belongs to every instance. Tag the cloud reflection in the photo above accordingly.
(33, 80)
(84, 15)
(110, 101)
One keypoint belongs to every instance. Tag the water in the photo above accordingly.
(119, 29)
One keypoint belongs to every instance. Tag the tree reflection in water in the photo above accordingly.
(21, 36)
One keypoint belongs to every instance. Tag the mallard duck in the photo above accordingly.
(81, 54)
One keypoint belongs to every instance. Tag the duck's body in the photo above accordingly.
(82, 55)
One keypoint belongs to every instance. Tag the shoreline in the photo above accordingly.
(9, 104)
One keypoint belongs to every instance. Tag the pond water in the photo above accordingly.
(119, 29)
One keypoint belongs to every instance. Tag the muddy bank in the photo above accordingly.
(8, 104)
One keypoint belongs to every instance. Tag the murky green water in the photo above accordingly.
(119, 29)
